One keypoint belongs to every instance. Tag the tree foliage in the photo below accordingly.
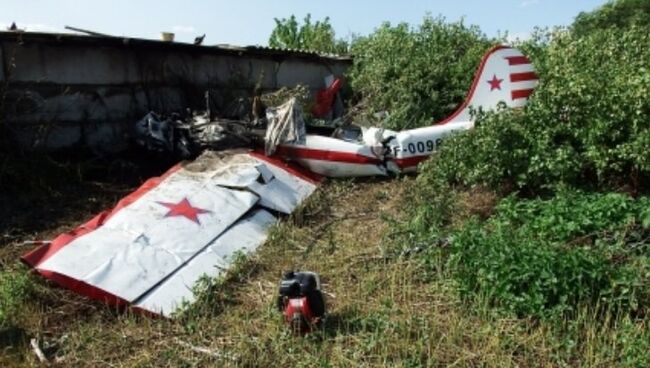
(417, 74)
(318, 36)
(615, 14)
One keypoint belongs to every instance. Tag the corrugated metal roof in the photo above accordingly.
(310, 52)
(127, 41)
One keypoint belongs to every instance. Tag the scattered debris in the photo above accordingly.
(187, 136)
(326, 98)
(206, 351)
(90, 33)
(37, 350)
(276, 98)
(285, 125)
(264, 120)
(36, 242)
(159, 134)
(199, 40)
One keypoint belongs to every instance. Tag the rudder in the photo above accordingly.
(505, 74)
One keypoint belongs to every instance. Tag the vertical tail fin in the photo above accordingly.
(505, 74)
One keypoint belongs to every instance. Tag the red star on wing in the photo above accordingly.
(495, 83)
(185, 209)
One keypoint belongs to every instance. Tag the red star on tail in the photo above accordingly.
(495, 83)
(185, 209)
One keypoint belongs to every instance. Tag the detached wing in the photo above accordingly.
(151, 248)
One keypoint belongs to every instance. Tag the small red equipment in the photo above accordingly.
(301, 301)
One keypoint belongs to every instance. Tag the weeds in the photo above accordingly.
(542, 258)
(16, 289)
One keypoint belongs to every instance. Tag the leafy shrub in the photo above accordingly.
(15, 289)
(586, 125)
(614, 14)
(417, 74)
(543, 258)
(318, 36)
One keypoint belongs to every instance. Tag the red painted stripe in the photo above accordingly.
(518, 60)
(325, 155)
(42, 253)
(292, 169)
(83, 288)
(521, 93)
(410, 161)
(521, 77)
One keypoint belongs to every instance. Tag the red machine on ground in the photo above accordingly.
(301, 301)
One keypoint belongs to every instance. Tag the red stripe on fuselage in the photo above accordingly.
(325, 155)
(410, 161)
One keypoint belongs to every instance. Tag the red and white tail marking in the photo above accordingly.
(523, 77)
(505, 75)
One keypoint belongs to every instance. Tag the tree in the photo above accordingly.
(614, 14)
(318, 36)
(418, 74)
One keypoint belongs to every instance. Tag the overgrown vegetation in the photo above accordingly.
(418, 74)
(570, 235)
(545, 258)
(619, 14)
(586, 125)
(16, 288)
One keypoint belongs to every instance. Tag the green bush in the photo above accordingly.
(15, 289)
(586, 125)
(417, 74)
(318, 36)
(614, 14)
(544, 258)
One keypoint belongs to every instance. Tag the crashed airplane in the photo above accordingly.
(505, 75)
(151, 248)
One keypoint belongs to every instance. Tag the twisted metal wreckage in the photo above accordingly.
(151, 249)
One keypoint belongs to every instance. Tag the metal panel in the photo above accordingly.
(151, 238)
(244, 236)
